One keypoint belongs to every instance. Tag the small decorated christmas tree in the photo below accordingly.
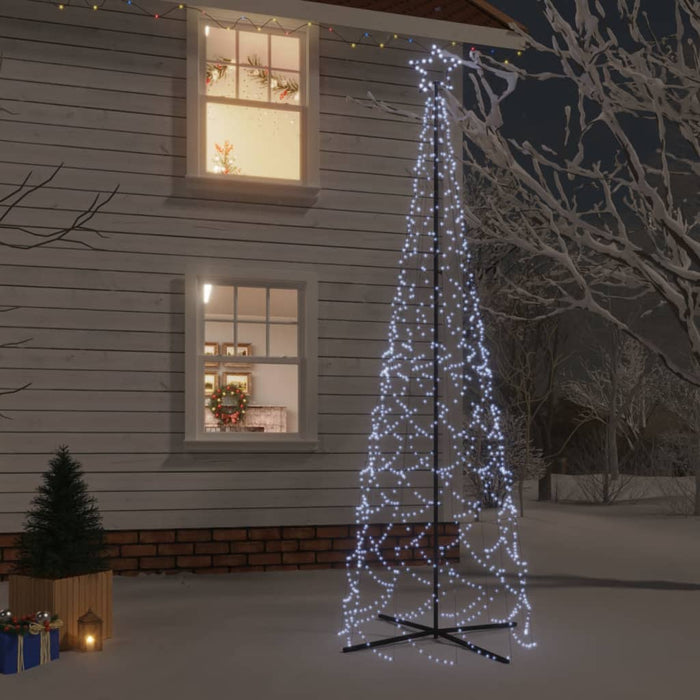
(63, 533)
(224, 160)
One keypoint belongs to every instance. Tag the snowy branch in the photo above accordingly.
(603, 232)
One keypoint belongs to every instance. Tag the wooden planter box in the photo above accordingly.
(69, 598)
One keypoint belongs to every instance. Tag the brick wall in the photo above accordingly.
(8, 554)
(225, 550)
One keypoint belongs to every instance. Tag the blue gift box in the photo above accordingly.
(30, 651)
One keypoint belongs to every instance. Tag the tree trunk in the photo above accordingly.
(544, 485)
(521, 495)
(526, 466)
(606, 484)
(697, 488)
(613, 470)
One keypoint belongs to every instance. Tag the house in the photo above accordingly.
(222, 217)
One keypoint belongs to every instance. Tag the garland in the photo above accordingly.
(281, 85)
(225, 413)
(28, 625)
(216, 71)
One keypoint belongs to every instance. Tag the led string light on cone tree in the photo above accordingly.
(436, 403)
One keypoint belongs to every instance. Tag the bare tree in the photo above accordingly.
(622, 228)
(672, 457)
(526, 361)
(683, 400)
(619, 390)
(13, 234)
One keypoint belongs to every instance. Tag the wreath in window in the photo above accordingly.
(228, 404)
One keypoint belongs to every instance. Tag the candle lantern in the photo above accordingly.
(90, 632)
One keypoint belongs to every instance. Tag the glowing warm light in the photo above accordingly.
(206, 30)
(207, 293)
(90, 642)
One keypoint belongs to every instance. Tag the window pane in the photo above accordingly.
(283, 340)
(253, 141)
(218, 318)
(252, 335)
(272, 393)
(252, 311)
(283, 304)
(221, 44)
(286, 53)
(275, 404)
(252, 303)
(254, 63)
(220, 69)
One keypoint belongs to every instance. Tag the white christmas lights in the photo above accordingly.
(394, 489)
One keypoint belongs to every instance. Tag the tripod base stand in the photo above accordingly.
(437, 633)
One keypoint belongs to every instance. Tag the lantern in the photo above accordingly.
(90, 632)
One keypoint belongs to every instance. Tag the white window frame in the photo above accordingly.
(303, 191)
(305, 281)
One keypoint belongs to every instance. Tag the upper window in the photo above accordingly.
(253, 101)
(251, 359)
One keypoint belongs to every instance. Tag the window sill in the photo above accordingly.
(250, 443)
(263, 190)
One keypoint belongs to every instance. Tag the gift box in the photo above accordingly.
(19, 652)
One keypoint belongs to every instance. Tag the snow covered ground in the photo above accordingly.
(615, 591)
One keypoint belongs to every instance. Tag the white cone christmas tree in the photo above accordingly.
(398, 518)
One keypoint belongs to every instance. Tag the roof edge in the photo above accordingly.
(497, 14)
(342, 16)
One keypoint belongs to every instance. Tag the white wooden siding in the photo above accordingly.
(103, 93)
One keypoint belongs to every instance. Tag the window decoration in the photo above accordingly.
(233, 349)
(224, 160)
(228, 404)
(240, 379)
(216, 71)
(283, 85)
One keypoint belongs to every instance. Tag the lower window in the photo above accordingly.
(251, 361)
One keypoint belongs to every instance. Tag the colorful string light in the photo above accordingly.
(400, 454)
(364, 38)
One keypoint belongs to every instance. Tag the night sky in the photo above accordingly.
(535, 111)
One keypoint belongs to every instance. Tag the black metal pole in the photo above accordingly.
(436, 337)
